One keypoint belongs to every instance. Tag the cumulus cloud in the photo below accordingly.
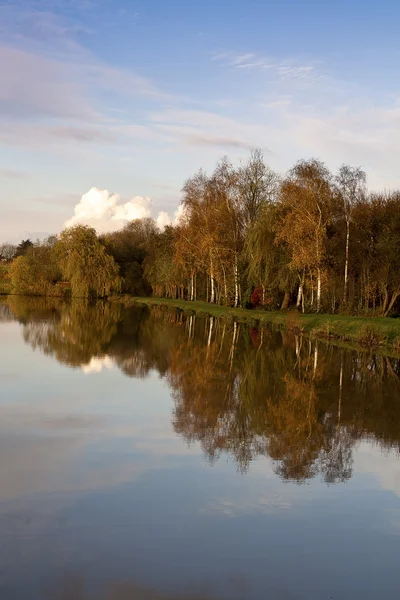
(97, 364)
(104, 211)
(164, 219)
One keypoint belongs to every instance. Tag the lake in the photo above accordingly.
(156, 455)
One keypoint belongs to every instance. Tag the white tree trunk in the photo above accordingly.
(299, 295)
(236, 282)
(225, 286)
(346, 264)
(212, 297)
(318, 290)
(312, 291)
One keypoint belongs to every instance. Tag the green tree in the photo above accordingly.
(85, 263)
(23, 247)
(36, 271)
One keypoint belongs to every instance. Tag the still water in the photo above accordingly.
(150, 455)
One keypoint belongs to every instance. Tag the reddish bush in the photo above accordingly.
(256, 297)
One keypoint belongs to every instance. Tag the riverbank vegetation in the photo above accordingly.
(247, 237)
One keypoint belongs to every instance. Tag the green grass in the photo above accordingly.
(369, 332)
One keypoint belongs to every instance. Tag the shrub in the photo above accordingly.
(396, 344)
(370, 337)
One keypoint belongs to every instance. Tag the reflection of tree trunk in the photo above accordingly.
(340, 387)
(211, 324)
(192, 321)
(261, 340)
(315, 358)
(286, 299)
(222, 339)
(233, 346)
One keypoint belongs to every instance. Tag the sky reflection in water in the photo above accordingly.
(152, 455)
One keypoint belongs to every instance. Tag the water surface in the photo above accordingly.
(152, 455)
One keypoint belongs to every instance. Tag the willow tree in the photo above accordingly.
(85, 263)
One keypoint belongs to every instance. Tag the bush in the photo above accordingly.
(228, 318)
(396, 344)
(370, 337)
(203, 315)
(253, 323)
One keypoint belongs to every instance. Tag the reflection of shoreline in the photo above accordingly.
(302, 403)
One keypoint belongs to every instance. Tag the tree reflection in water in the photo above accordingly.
(236, 390)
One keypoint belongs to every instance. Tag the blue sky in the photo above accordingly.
(134, 96)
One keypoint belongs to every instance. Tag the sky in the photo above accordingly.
(107, 107)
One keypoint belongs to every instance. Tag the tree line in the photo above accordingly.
(247, 237)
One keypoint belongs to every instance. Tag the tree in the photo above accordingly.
(7, 252)
(84, 262)
(267, 261)
(23, 247)
(36, 271)
(129, 247)
(351, 186)
(258, 185)
(201, 209)
(306, 202)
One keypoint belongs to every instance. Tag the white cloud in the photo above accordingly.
(97, 364)
(103, 210)
(164, 219)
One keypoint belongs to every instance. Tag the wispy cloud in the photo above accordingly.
(14, 174)
(283, 69)
(194, 128)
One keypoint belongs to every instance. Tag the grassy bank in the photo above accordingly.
(367, 332)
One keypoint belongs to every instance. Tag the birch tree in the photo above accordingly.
(306, 203)
(351, 186)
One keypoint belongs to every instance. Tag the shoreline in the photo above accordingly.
(367, 333)
(377, 334)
